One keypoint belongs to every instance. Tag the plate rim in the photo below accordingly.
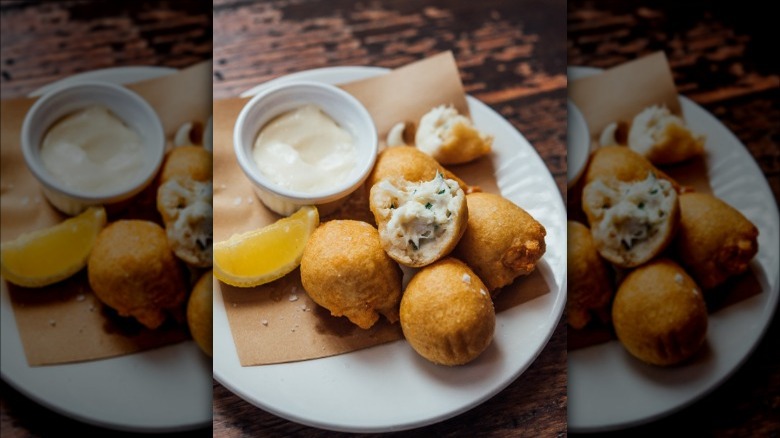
(557, 306)
(134, 73)
(578, 72)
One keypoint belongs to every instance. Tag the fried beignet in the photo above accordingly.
(345, 270)
(411, 164)
(589, 286)
(662, 137)
(659, 313)
(501, 242)
(450, 137)
(632, 208)
(132, 270)
(447, 315)
(419, 223)
(189, 162)
(199, 312)
(714, 241)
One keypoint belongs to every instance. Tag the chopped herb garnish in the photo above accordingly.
(661, 213)
(441, 192)
(392, 206)
(449, 213)
(428, 205)
(654, 191)
(626, 245)
(411, 243)
(641, 205)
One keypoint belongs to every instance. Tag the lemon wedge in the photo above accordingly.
(46, 256)
(264, 255)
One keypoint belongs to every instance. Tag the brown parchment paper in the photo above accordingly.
(278, 322)
(65, 322)
(618, 94)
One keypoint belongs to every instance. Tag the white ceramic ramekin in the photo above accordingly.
(578, 144)
(342, 107)
(128, 106)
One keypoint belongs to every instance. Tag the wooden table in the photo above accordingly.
(45, 42)
(511, 56)
(722, 58)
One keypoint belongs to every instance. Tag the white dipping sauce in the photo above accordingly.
(305, 150)
(92, 150)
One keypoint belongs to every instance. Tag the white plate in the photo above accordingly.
(162, 390)
(609, 389)
(390, 387)
(577, 143)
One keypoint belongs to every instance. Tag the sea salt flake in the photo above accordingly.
(483, 292)
(293, 297)
(467, 278)
(264, 322)
(678, 278)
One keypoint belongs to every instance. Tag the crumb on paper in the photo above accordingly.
(293, 297)
(264, 322)
(52, 323)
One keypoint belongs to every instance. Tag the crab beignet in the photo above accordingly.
(450, 137)
(447, 315)
(714, 241)
(589, 286)
(662, 137)
(501, 242)
(659, 313)
(632, 207)
(132, 270)
(419, 223)
(345, 270)
(411, 164)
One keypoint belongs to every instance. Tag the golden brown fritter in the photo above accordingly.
(589, 285)
(659, 313)
(410, 164)
(714, 241)
(632, 207)
(419, 223)
(345, 270)
(502, 241)
(447, 314)
(199, 312)
(192, 162)
(132, 270)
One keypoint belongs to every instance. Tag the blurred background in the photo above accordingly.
(723, 57)
(42, 42)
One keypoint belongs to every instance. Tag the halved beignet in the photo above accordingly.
(631, 206)
(631, 221)
(663, 137)
(419, 222)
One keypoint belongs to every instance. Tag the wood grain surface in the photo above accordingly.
(511, 55)
(45, 41)
(723, 57)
